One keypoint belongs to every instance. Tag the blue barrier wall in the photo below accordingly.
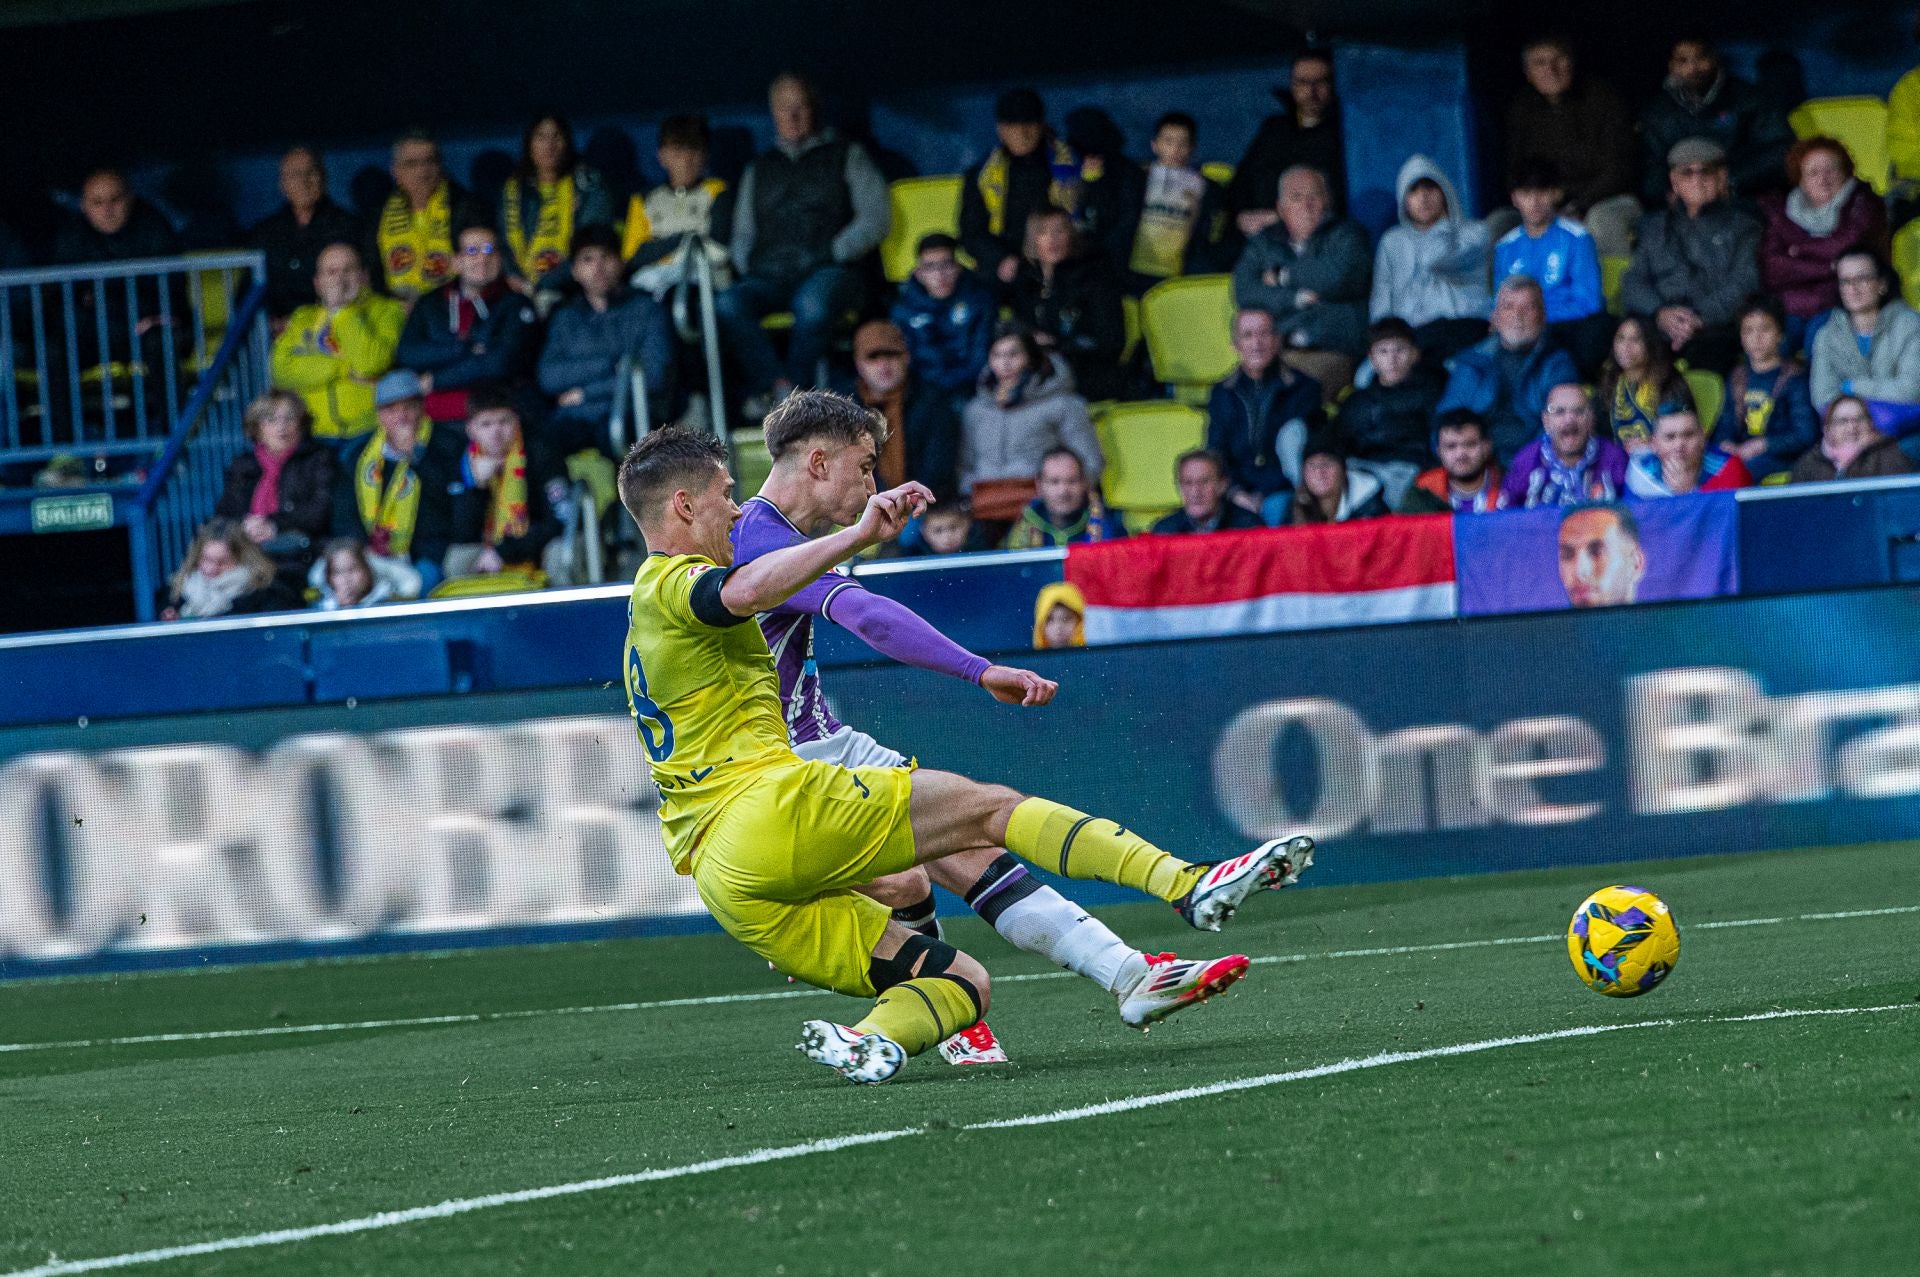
(1414, 750)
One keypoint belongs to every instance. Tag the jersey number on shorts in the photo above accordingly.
(656, 729)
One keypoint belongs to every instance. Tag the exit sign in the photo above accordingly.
(73, 514)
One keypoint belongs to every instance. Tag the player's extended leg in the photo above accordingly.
(928, 991)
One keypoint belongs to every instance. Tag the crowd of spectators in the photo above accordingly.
(437, 364)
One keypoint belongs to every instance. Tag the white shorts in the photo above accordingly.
(850, 748)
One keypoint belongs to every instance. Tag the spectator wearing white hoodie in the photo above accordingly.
(1432, 269)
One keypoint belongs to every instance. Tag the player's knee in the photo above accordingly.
(925, 958)
(996, 804)
(897, 891)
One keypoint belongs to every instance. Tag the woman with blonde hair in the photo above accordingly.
(224, 571)
(280, 490)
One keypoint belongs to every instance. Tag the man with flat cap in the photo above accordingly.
(1698, 259)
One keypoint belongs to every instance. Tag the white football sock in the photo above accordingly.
(1047, 923)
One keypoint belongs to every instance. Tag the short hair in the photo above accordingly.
(689, 131)
(1763, 304)
(349, 245)
(1549, 40)
(1207, 455)
(1391, 328)
(262, 407)
(1622, 515)
(1461, 419)
(1061, 450)
(309, 150)
(105, 170)
(1326, 187)
(800, 82)
(936, 240)
(476, 224)
(1520, 283)
(1881, 267)
(1037, 357)
(409, 136)
(821, 414)
(491, 396)
(1536, 173)
(1324, 56)
(594, 235)
(666, 461)
(1177, 120)
(1797, 155)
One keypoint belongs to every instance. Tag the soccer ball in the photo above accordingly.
(1623, 941)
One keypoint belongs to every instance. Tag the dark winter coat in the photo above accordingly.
(306, 489)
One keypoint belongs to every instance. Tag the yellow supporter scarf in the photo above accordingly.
(1064, 192)
(416, 249)
(388, 504)
(1635, 409)
(534, 255)
(507, 512)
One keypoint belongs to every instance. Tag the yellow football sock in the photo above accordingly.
(1076, 845)
(919, 1013)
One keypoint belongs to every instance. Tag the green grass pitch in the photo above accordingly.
(1711, 1144)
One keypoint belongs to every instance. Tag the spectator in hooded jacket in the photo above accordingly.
(1024, 408)
(1311, 271)
(1851, 447)
(1330, 491)
(413, 238)
(1697, 261)
(1385, 424)
(1305, 135)
(809, 209)
(1767, 416)
(474, 329)
(1028, 170)
(1870, 344)
(1431, 269)
(948, 317)
(1827, 213)
(280, 490)
(1702, 99)
(589, 339)
(292, 237)
(923, 430)
(1259, 417)
(1201, 477)
(1580, 126)
(550, 195)
(1567, 464)
(502, 512)
(1506, 377)
(1680, 462)
(1559, 254)
(1070, 298)
(1636, 385)
(1467, 480)
(690, 207)
(334, 351)
(1182, 221)
(1066, 511)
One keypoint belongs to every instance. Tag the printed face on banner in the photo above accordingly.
(1601, 559)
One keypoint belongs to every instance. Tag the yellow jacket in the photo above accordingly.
(333, 364)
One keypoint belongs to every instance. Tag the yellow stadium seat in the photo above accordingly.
(1217, 171)
(921, 206)
(1906, 261)
(1141, 441)
(1130, 314)
(1188, 326)
(1612, 271)
(1709, 392)
(1860, 124)
(778, 322)
(510, 580)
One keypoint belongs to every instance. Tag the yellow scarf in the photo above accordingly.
(1064, 192)
(1635, 409)
(507, 512)
(388, 505)
(546, 248)
(416, 249)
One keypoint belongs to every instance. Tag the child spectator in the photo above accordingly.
(224, 571)
(1637, 382)
(1067, 509)
(1030, 169)
(281, 489)
(347, 577)
(1679, 461)
(1851, 447)
(1059, 616)
(1467, 480)
(1566, 463)
(1870, 346)
(1431, 269)
(1557, 253)
(1024, 408)
(1827, 214)
(1258, 419)
(1331, 493)
(549, 196)
(1202, 479)
(503, 511)
(948, 318)
(1767, 417)
(1312, 272)
(689, 208)
(1183, 219)
(1385, 425)
(944, 529)
(1070, 298)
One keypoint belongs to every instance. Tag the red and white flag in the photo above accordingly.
(1367, 572)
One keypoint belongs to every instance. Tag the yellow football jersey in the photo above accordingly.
(705, 699)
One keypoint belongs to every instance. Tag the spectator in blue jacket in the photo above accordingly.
(1767, 417)
(1559, 254)
(471, 329)
(1258, 419)
(948, 318)
(588, 339)
(1202, 479)
(1506, 377)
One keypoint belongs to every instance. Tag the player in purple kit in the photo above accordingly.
(824, 449)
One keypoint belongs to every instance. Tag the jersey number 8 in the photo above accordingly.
(656, 729)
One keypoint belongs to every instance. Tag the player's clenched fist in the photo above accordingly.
(887, 512)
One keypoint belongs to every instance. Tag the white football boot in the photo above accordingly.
(867, 1058)
(1225, 886)
(976, 1045)
(1170, 983)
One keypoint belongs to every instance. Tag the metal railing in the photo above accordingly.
(185, 482)
(101, 359)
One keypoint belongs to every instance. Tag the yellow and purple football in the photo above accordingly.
(1623, 941)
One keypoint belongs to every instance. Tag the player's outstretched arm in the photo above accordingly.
(772, 579)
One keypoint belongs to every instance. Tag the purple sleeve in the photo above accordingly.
(759, 532)
(895, 630)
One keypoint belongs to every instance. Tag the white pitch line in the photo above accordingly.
(779, 995)
(464, 1205)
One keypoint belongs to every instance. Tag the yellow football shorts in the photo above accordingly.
(778, 863)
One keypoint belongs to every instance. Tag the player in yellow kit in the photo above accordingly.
(776, 844)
